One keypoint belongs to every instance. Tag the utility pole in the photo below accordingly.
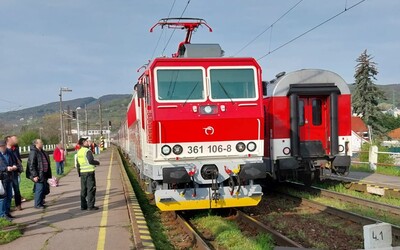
(101, 118)
(61, 120)
(62, 130)
(86, 121)
(78, 132)
(69, 120)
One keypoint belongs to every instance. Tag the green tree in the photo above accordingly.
(26, 138)
(366, 95)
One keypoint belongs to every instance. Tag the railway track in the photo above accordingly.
(346, 198)
(278, 238)
(341, 213)
(368, 188)
(198, 242)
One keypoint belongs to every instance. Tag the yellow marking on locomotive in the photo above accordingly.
(206, 204)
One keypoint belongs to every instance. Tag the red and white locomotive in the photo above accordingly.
(195, 127)
(202, 128)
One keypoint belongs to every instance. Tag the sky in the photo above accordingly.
(95, 47)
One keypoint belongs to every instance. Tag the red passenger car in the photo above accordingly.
(309, 124)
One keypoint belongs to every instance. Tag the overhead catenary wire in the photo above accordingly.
(309, 30)
(162, 31)
(269, 27)
(172, 34)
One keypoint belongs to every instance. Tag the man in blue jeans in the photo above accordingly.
(7, 166)
(39, 172)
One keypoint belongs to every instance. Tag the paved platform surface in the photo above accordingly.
(381, 180)
(376, 179)
(62, 225)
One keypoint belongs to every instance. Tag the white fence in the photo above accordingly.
(373, 158)
(27, 149)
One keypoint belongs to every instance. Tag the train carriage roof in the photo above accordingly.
(281, 85)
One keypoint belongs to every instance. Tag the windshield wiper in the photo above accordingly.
(191, 92)
(226, 92)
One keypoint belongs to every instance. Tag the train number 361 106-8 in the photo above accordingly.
(209, 149)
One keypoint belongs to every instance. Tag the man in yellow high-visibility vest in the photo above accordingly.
(86, 165)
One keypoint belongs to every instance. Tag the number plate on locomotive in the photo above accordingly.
(211, 149)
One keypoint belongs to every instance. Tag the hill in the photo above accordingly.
(113, 109)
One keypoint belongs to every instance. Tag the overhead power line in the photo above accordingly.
(162, 31)
(269, 27)
(313, 28)
(172, 34)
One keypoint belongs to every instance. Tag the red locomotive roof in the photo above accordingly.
(218, 61)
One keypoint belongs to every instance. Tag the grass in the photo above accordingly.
(8, 236)
(26, 185)
(150, 211)
(385, 170)
(228, 234)
(354, 208)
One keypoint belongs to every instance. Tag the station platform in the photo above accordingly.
(386, 181)
(118, 224)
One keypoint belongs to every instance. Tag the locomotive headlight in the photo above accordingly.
(240, 147)
(177, 149)
(251, 146)
(208, 109)
(166, 150)
(341, 148)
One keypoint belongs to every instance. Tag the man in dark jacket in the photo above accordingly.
(86, 165)
(12, 146)
(39, 172)
(7, 166)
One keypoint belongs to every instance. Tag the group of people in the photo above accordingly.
(39, 171)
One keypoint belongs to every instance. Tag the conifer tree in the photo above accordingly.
(366, 96)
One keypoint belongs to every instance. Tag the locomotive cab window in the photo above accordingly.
(316, 112)
(229, 84)
(180, 84)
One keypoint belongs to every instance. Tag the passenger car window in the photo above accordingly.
(316, 112)
(301, 112)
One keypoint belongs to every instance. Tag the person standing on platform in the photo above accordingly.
(86, 165)
(59, 158)
(12, 145)
(39, 172)
(7, 166)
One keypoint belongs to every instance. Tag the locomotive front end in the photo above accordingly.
(207, 134)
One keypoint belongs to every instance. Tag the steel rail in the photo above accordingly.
(347, 198)
(278, 238)
(197, 240)
(341, 213)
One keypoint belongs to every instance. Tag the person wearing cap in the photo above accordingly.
(7, 166)
(39, 172)
(86, 165)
